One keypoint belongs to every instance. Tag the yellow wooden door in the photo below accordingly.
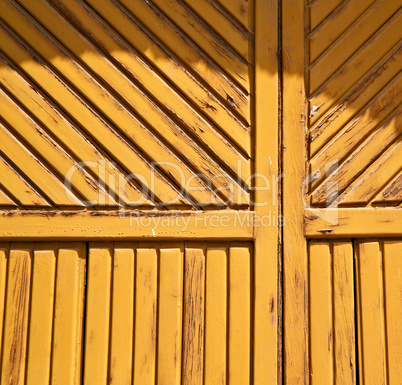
(138, 192)
(342, 192)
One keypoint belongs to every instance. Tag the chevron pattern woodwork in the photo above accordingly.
(355, 92)
(125, 103)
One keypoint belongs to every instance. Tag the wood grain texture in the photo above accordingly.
(321, 314)
(344, 308)
(67, 343)
(295, 267)
(41, 314)
(392, 260)
(353, 57)
(193, 319)
(170, 135)
(216, 306)
(146, 315)
(372, 337)
(239, 333)
(356, 223)
(98, 314)
(15, 332)
(122, 314)
(170, 313)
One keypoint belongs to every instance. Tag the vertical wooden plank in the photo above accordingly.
(145, 315)
(393, 306)
(98, 313)
(41, 318)
(170, 314)
(321, 321)
(265, 331)
(344, 314)
(239, 315)
(194, 296)
(4, 252)
(372, 314)
(68, 314)
(16, 315)
(121, 339)
(295, 271)
(216, 316)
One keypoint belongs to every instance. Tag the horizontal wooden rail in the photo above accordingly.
(50, 225)
(353, 223)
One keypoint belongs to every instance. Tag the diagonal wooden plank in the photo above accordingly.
(171, 51)
(185, 152)
(37, 172)
(333, 27)
(163, 93)
(338, 148)
(66, 133)
(392, 193)
(375, 177)
(320, 9)
(22, 192)
(5, 200)
(117, 112)
(362, 63)
(89, 120)
(239, 9)
(337, 117)
(60, 162)
(218, 50)
(219, 21)
(355, 36)
(362, 157)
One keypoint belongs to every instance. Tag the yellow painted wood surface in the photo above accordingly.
(216, 324)
(41, 314)
(67, 343)
(239, 333)
(98, 314)
(146, 313)
(392, 265)
(344, 308)
(15, 325)
(170, 313)
(321, 314)
(122, 314)
(354, 301)
(194, 310)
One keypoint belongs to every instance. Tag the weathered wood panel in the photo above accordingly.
(354, 90)
(155, 98)
(176, 313)
(354, 302)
